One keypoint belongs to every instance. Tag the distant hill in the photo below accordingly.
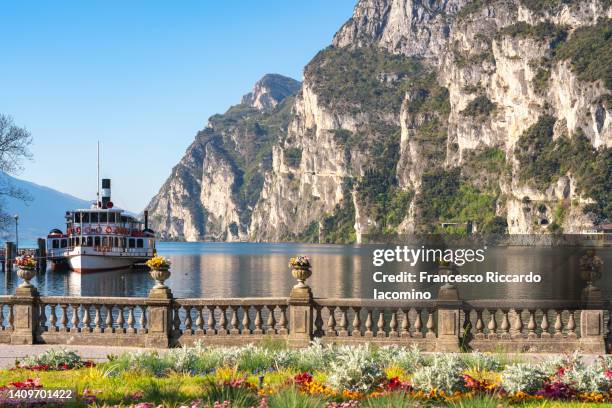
(44, 211)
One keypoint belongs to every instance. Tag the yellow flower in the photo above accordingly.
(158, 262)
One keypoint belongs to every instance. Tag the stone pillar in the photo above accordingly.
(592, 331)
(300, 308)
(25, 315)
(448, 326)
(159, 306)
(9, 255)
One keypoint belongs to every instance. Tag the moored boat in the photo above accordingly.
(101, 238)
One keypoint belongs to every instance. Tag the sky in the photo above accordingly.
(142, 77)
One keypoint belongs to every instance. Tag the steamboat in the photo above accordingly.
(100, 238)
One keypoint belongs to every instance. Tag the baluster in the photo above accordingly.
(571, 325)
(518, 324)
(380, 332)
(318, 332)
(108, 322)
(393, 325)
(246, 320)
(479, 326)
(63, 318)
(52, 318)
(120, 320)
(405, 331)
(97, 320)
(2, 327)
(42, 318)
(188, 328)
(430, 325)
(234, 321)
(492, 326)
(418, 325)
(199, 320)
(211, 329)
(505, 325)
(11, 318)
(558, 325)
(86, 320)
(356, 322)
(258, 321)
(176, 321)
(331, 323)
(343, 323)
(368, 324)
(531, 325)
(130, 320)
(282, 324)
(544, 325)
(609, 336)
(222, 321)
(143, 320)
(271, 329)
(74, 322)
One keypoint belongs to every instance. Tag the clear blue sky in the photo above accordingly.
(142, 77)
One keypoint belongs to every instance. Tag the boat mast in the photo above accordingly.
(98, 178)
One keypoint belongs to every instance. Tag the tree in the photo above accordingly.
(14, 149)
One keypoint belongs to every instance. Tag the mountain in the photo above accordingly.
(43, 211)
(420, 117)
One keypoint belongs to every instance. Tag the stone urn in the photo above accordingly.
(591, 270)
(448, 291)
(160, 275)
(26, 273)
(301, 273)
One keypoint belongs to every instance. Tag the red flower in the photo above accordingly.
(608, 374)
(395, 384)
(303, 378)
(561, 371)
(29, 383)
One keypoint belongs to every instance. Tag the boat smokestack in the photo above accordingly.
(106, 192)
(146, 219)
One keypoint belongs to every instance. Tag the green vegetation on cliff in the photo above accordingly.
(543, 160)
(589, 50)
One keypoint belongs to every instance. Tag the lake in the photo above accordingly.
(260, 269)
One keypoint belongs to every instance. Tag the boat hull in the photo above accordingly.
(99, 263)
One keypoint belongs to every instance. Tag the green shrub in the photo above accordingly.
(481, 106)
(589, 50)
(355, 368)
(444, 374)
(293, 156)
(54, 358)
(523, 378)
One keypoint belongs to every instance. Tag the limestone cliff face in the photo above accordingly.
(421, 114)
(210, 193)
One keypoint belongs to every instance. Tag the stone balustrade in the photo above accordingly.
(446, 324)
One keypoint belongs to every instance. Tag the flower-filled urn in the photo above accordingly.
(26, 266)
(160, 271)
(300, 269)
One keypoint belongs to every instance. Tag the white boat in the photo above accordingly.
(101, 238)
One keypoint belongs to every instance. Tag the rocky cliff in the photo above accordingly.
(420, 117)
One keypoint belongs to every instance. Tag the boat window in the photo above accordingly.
(131, 243)
(97, 241)
(85, 217)
(139, 243)
(94, 217)
(103, 217)
(55, 243)
(64, 243)
(77, 217)
(89, 241)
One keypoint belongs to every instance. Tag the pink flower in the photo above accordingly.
(608, 374)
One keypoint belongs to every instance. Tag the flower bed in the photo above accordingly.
(323, 376)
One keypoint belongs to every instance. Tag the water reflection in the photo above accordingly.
(249, 270)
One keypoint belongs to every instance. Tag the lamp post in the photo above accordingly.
(17, 233)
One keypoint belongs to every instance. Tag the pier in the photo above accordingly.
(446, 324)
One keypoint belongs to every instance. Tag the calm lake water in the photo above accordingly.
(256, 269)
